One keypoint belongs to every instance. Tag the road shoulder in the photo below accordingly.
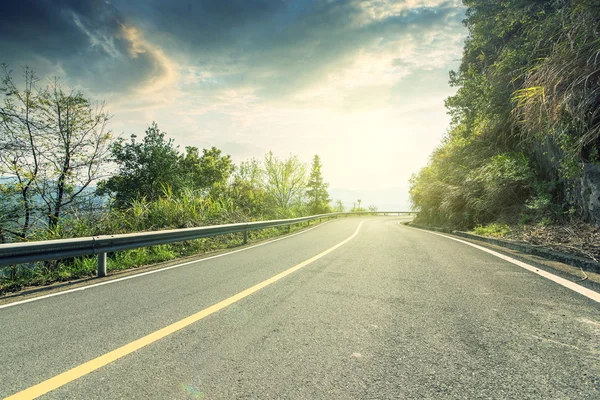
(587, 279)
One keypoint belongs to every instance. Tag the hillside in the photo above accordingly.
(523, 147)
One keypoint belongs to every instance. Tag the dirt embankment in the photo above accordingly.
(575, 238)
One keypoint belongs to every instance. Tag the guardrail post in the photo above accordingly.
(246, 236)
(101, 265)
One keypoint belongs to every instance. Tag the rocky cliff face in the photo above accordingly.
(588, 194)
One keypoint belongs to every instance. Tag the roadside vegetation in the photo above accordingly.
(64, 174)
(522, 151)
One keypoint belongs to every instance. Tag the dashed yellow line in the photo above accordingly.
(99, 362)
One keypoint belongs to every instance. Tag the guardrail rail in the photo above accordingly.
(28, 252)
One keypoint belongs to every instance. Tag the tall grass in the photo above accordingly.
(189, 209)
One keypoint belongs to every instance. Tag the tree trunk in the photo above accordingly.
(55, 215)
(27, 205)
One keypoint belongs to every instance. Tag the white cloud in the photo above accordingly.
(166, 73)
(376, 10)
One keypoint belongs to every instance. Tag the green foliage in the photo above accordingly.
(206, 171)
(145, 168)
(524, 119)
(356, 206)
(195, 191)
(153, 168)
(494, 230)
(184, 210)
(249, 202)
(285, 185)
(316, 193)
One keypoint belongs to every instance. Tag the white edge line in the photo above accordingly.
(46, 296)
(557, 279)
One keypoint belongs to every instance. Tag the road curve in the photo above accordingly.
(394, 312)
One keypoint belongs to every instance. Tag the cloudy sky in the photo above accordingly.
(361, 83)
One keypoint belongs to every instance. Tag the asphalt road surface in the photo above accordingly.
(391, 312)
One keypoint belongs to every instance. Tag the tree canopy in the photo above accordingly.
(146, 168)
(207, 170)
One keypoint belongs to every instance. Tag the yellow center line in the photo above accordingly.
(105, 359)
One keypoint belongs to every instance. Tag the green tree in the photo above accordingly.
(76, 158)
(250, 171)
(146, 169)
(207, 170)
(316, 193)
(54, 143)
(285, 183)
(247, 191)
(19, 153)
(356, 206)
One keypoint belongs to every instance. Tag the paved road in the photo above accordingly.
(393, 313)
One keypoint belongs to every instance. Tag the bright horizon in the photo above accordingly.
(361, 83)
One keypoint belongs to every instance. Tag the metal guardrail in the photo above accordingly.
(27, 252)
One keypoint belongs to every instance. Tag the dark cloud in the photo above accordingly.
(81, 38)
(38, 27)
(291, 47)
(329, 38)
(207, 23)
(278, 45)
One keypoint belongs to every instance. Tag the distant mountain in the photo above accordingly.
(88, 192)
(386, 199)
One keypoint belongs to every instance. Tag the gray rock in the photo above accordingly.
(588, 193)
